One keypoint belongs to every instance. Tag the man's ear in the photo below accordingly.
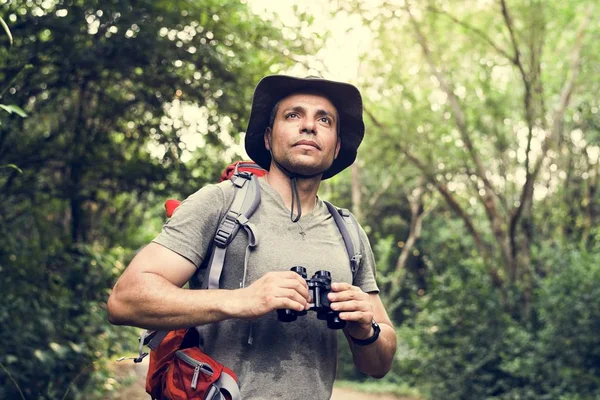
(338, 144)
(267, 137)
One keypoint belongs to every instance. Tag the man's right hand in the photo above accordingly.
(274, 290)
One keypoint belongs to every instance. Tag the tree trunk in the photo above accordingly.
(417, 213)
(356, 191)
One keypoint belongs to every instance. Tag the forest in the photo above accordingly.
(476, 183)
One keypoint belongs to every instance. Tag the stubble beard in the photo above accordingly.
(303, 165)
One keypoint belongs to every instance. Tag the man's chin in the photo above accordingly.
(307, 168)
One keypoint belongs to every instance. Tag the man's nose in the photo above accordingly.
(308, 126)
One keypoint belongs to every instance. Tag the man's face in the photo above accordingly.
(304, 135)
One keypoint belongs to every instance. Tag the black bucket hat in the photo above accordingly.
(345, 97)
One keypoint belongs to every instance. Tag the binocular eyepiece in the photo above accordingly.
(319, 287)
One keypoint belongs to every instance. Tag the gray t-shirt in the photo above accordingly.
(273, 360)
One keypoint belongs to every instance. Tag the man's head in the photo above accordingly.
(310, 125)
(303, 134)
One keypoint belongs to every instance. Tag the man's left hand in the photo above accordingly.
(355, 307)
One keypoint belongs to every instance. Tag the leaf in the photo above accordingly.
(76, 348)
(13, 166)
(40, 355)
(55, 347)
(60, 350)
(14, 109)
(10, 38)
(10, 359)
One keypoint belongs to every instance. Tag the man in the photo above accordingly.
(302, 131)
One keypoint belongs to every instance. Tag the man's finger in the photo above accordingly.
(352, 305)
(292, 295)
(343, 286)
(300, 287)
(348, 295)
(357, 316)
(284, 298)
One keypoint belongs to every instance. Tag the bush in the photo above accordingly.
(466, 345)
(568, 344)
(457, 338)
(55, 306)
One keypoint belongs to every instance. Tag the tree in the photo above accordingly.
(109, 88)
(494, 105)
(492, 117)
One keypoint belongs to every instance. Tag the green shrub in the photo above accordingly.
(465, 343)
(569, 343)
(54, 306)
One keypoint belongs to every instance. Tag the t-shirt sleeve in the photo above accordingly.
(365, 276)
(191, 228)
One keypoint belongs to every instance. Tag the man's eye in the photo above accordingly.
(326, 120)
(292, 115)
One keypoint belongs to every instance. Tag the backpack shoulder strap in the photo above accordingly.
(348, 226)
(245, 202)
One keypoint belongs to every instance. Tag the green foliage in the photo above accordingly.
(465, 344)
(55, 306)
(131, 102)
(6, 30)
(458, 335)
(13, 109)
(108, 113)
(379, 388)
(445, 90)
(568, 345)
(127, 103)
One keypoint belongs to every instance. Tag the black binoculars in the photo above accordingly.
(319, 287)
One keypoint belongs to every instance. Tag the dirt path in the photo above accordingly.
(127, 371)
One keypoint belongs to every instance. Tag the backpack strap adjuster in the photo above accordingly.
(226, 229)
(240, 178)
(344, 212)
(245, 174)
(355, 262)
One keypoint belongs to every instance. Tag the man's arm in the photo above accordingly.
(149, 294)
(359, 309)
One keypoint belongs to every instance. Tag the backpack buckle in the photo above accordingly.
(355, 262)
(225, 230)
(240, 178)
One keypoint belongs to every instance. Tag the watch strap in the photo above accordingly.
(369, 340)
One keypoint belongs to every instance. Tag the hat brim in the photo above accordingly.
(345, 97)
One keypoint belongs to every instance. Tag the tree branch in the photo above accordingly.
(457, 112)
(442, 189)
(527, 96)
(557, 123)
(516, 59)
(416, 222)
(475, 30)
(447, 195)
(356, 191)
(382, 189)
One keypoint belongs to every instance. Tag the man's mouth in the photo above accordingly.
(307, 143)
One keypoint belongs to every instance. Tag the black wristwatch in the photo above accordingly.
(367, 341)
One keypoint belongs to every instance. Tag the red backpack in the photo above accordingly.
(180, 370)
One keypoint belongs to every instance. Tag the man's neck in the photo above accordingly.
(307, 189)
